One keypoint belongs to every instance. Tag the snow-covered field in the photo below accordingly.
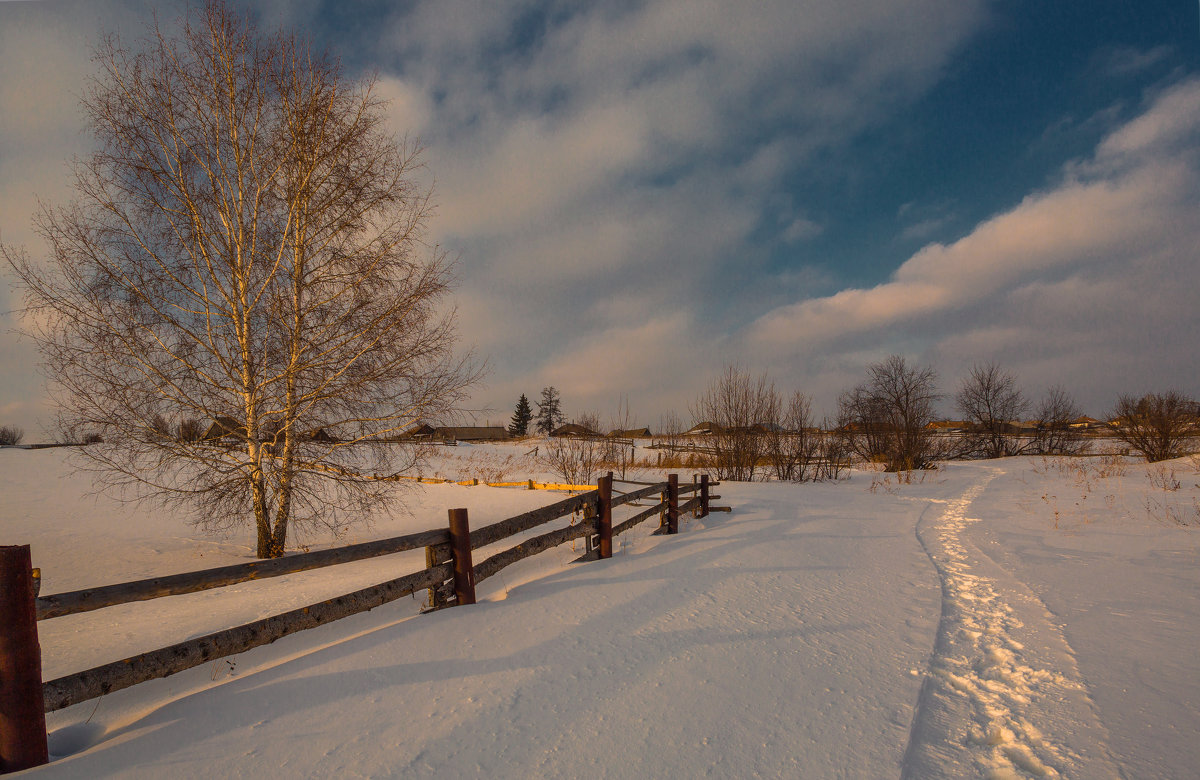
(1024, 617)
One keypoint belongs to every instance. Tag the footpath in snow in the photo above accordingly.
(1004, 696)
(944, 628)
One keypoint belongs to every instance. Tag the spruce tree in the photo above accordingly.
(550, 414)
(521, 417)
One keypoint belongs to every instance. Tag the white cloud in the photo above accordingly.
(609, 176)
(627, 156)
(1168, 126)
(1090, 283)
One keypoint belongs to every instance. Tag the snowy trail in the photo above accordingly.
(749, 645)
(1004, 696)
(956, 624)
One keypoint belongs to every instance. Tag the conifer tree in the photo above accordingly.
(550, 414)
(521, 417)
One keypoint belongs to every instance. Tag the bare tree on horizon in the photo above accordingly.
(1055, 414)
(741, 408)
(1160, 426)
(994, 405)
(887, 417)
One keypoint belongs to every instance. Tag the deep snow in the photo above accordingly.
(1016, 618)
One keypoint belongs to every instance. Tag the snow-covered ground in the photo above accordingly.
(1019, 618)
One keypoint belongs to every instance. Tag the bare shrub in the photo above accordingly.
(832, 456)
(577, 459)
(991, 401)
(1163, 478)
(1160, 426)
(1054, 434)
(740, 408)
(668, 442)
(11, 434)
(160, 426)
(490, 466)
(792, 444)
(886, 418)
(622, 449)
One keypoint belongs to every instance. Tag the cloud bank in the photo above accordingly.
(1091, 283)
(619, 183)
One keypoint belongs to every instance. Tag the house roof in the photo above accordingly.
(472, 433)
(573, 429)
(941, 425)
(223, 427)
(711, 428)
(632, 433)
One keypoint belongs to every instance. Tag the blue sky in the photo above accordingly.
(641, 192)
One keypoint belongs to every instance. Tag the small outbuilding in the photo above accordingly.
(632, 433)
(471, 433)
(224, 428)
(573, 430)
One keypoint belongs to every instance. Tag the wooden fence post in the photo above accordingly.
(604, 516)
(431, 560)
(589, 519)
(704, 495)
(22, 714)
(672, 503)
(460, 548)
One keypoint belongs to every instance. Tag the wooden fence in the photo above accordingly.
(449, 575)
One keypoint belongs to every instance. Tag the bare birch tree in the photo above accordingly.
(247, 247)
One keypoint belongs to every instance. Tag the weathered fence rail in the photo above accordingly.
(450, 576)
(106, 678)
(88, 599)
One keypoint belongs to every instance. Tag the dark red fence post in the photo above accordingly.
(704, 495)
(460, 548)
(672, 503)
(22, 712)
(604, 516)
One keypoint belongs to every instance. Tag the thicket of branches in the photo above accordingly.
(994, 405)
(1160, 426)
(621, 452)
(738, 406)
(577, 459)
(1054, 434)
(756, 432)
(246, 247)
(11, 434)
(886, 418)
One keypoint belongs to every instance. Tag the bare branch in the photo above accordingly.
(241, 301)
